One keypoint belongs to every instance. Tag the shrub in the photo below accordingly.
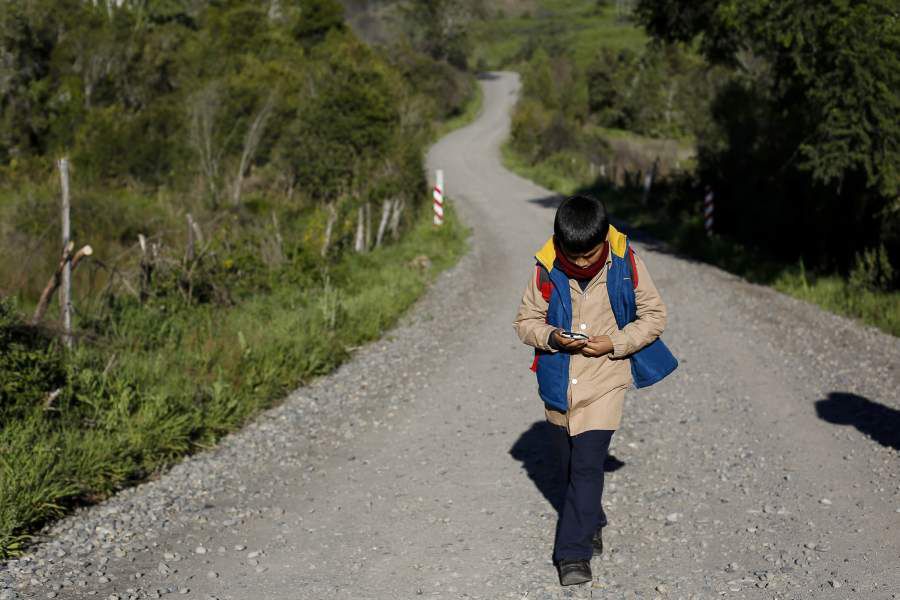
(872, 270)
(30, 365)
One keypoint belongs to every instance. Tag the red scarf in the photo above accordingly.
(576, 272)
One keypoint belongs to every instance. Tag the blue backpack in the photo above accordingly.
(648, 365)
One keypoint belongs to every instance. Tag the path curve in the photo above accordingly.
(767, 467)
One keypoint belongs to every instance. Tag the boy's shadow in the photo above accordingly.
(535, 450)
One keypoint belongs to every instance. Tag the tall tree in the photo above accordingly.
(808, 123)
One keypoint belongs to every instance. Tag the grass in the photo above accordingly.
(835, 294)
(684, 232)
(551, 175)
(579, 26)
(171, 378)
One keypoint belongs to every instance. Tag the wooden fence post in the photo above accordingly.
(146, 270)
(65, 290)
(649, 179)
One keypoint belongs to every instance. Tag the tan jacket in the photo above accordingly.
(597, 385)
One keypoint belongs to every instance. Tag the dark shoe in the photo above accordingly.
(597, 542)
(574, 571)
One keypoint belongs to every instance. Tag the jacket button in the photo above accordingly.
(574, 381)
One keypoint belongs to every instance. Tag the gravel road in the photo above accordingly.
(766, 467)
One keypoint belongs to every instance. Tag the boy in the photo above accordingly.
(588, 281)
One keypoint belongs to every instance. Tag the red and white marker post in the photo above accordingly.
(439, 197)
(708, 211)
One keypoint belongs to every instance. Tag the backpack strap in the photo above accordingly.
(542, 277)
(632, 267)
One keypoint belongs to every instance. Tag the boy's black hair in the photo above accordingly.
(581, 223)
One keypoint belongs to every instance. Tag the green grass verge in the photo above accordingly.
(686, 235)
(174, 378)
(581, 27)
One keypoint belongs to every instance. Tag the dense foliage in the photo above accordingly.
(784, 109)
(440, 28)
(579, 91)
(234, 163)
(169, 107)
(804, 145)
(660, 92)
(168, 91)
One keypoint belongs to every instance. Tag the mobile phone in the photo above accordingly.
(573, 335)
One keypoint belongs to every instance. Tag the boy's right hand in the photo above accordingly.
(567, 344)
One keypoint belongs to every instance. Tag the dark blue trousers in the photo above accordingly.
(581, 469)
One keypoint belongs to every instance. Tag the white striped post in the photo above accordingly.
(439, 198)
(708, 211)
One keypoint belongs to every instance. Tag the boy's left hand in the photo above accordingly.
(597, 346)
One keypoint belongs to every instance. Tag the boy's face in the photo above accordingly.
(585, 259)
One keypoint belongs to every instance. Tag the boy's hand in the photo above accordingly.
(567, 344)
(597, 346)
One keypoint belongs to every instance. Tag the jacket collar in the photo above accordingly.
(617, 244)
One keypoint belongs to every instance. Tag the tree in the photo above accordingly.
(835, 63)
(316, 18)
(350, 116)
(809, 118)
(440, 28)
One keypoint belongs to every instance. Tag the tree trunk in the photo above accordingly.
(368, 237)
(395, 219)
(251, 142)
(329, 227)
(360, 229)
(385, 216)
(204, 108)
(279, 241)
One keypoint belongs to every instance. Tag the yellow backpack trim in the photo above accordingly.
(617, 243)
(547, 254)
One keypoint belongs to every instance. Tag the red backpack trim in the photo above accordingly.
(542, 278)
(634, 273)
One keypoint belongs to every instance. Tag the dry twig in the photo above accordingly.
(56, 279)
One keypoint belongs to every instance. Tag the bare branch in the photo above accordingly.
(204, 108)
(51, 397)
(251, 142)
(329, 227)
(385, 217)
(56, 279)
